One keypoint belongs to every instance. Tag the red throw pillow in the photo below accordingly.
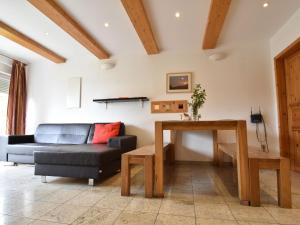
(103, 132)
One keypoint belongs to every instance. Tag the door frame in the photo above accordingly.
(282, 105)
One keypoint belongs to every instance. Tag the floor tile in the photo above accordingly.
(285, 216)
(174, 207)
(37, 192)
(41, 222)
(86, 198)
(36, 209)
(180, 195)
(214, 211)
(9, 206)
(60, 196)
(114, 201)
(144, 205)
(136, 218)
(67, 200)
(12, 220)
(64, 214)
(203, 221)
(254, 214)
(296, 201)
(255, 223)
(163, 219)
(98, 216)
(214, 199)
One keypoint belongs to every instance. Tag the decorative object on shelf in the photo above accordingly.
(175, 106)
(122, 99)
(74, 92)
(179, 82)
(197, 100)
(185, 117)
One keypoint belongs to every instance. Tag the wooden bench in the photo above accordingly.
(141, 156)
(262, 160)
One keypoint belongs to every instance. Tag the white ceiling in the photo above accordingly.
(247, 20)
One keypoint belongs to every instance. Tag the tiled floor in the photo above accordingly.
(195, 195)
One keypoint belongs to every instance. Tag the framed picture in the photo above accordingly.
(179, 82)
(173, 106)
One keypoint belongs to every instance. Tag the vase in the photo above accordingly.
(196, 117)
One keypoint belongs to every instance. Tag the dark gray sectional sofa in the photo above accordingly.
(66, 150)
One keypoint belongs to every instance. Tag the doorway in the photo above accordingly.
(287, 69)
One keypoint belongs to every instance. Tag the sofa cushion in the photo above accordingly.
(103, 132)
(28, 148)
(92, 130)
(62, 133)
(78, 155)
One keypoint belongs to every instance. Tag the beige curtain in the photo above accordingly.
(16, 109)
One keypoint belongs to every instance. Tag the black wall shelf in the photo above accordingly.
(115, 100)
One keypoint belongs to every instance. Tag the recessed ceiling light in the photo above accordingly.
(265, 5)
(46, 33)
(106, 24)
(177, 14)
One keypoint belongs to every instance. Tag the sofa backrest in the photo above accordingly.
(73, 133)
(91, 134)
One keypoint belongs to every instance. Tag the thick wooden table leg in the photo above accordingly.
(220, 158)
(173, 144)
(125, 176)
(148, 165)
(284, 184)
(216, 159)
(235, 175)
(242, 163)
(254, 182)
(159, 160)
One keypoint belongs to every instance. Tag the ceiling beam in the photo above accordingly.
(137, 14)
(21, 39)
(58, 15)
(217, 14)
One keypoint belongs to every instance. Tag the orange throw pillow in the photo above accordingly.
(103, 132)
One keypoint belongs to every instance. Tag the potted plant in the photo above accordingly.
(197, 100)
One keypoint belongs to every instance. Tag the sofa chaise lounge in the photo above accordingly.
(66, 150)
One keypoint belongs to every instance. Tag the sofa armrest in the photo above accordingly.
(20, 139)
(125, 143)
(3, 144)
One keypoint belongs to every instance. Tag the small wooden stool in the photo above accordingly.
(282, 165)
(262, 160)
(145, 156)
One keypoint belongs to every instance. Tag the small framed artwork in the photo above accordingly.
(179, 82)
(174, 106)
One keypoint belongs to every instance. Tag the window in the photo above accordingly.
(4, 87)
(5, 71)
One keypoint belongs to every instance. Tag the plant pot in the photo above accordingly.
(196, 117)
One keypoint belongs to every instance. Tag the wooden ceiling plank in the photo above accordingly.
(217, 14)
(25, 41)
(59, 16)
(138, 16)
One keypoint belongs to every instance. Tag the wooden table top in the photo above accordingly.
(200, 125)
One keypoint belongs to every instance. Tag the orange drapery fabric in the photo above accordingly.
(16, 108)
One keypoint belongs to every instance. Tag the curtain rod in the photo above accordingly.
(12, 58)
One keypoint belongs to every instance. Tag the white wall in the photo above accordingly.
(243, 79)
(288, 33)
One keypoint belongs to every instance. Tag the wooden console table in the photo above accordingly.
(239, 126)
